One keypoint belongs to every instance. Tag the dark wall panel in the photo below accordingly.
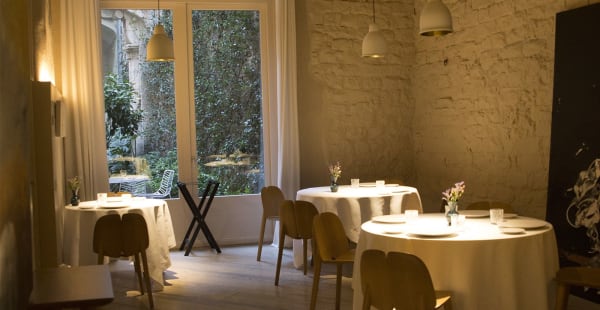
(574, 177)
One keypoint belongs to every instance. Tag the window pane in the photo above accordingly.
(139, 103)
(228, 99)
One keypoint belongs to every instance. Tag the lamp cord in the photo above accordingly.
(373, 11)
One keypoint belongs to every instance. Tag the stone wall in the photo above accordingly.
(352, 109)
(474, 105)
(483, 102)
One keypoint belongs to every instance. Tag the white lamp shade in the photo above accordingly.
(435, 19)
(160, 46)
(373, 44)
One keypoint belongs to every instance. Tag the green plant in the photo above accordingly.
(122, 118)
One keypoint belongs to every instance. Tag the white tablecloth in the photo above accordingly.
(355, 206)
(79, 232)
(484, 268)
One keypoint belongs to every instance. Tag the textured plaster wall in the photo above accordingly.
(351, 109)
(483, 102)
(474, 105)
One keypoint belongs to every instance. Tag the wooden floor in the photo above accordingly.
(230, 280)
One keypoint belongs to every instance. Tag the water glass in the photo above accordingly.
(379, 183)
(496, 216)
(355, 183)
(411, 216)
(102, 197)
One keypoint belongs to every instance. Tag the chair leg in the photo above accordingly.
(279, 256)
(261, 238)
(147, 279)
(316, 278)
(562, 296)
(305, 253)
(338, 285)
(138, 271)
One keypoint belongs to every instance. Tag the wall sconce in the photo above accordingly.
(374, 44)
(435, 19)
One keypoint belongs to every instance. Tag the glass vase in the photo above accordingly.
(451, 209)
(75, 198)
(333, 184)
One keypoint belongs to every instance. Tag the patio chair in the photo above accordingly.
(166, 183)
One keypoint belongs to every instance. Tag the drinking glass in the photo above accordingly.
(496, 216)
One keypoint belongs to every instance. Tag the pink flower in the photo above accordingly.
(454, 193)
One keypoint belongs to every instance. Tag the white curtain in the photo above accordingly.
(82, 89)
(288, 158)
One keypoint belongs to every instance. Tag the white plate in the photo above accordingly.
(390, 219)
(113, 205)
(523, 223)
(512, 231)
(510, 215)
(431, 231)
(474, 213)
(87, 204)
(367, 184)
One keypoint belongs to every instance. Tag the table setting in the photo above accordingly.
(79, 222)
(488, 259)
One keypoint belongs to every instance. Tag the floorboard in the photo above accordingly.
(230, 280)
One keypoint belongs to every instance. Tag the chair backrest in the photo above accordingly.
(329, 236)
(305, 212)
(400, 281)
(107, 239)
(375, 282)
(271, 197)
(411, 201)
(166, 183)
(287, 219)
(135, 234)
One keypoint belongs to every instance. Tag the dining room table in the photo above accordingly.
(509, 265)
(79, 222)
(355, 205)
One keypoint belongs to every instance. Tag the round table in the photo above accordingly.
(79, 222)
(484, 267)
(356, 205)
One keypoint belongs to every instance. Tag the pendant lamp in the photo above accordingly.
(160, 46)
(373, 44)
(435, 19)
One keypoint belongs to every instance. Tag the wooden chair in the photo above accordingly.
(271, 197)
(330, 246)
(400, 281)
(411, 201)
(135, 243)
(296, 223)
(568, 277)
(116, 237)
